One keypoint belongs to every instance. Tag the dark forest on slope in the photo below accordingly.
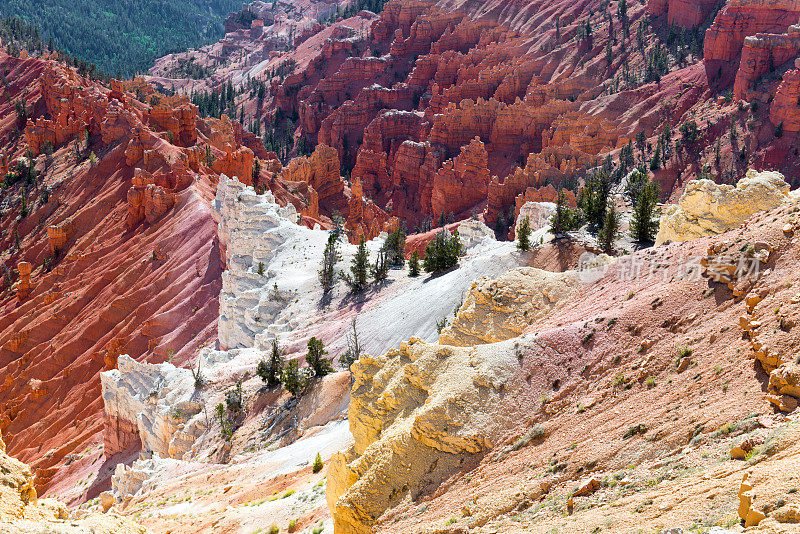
(124, 36)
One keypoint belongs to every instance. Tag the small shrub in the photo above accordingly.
(318, 465)
(565, 218)
(261, 268)
(273, 529)
(531, 435)
(234, 399)
(650, 382)
(226, 429)
(634, 430)
(292, 525)
(441, 324)
(587, 338)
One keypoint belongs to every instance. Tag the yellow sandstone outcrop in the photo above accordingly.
(495, 310)
(706, 208)
(21, 511)
(416, 414)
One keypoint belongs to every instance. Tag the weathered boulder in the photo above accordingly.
(107, 500)
(740, 452)
(495, 310)
(737, 265)
(750, 514)
(785, 380)
(706, 208)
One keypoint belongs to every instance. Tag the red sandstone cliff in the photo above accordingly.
(117, 253)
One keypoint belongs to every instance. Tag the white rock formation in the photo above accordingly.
(255, 230)
(158, 399)
(706, 208)
(252, 229)
(538, 214)
(473, 232)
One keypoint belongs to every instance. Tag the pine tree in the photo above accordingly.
(413, 264)
(315, 357)
(442, 252)
(327, 275)
(524, 234)
(558, 224)
(626, 159)
(565, 218)
(655, 163)
(359, 268)
(644, 225)
(353, 351)
(622, 14)
(641, 142)
(610, 230)
(292, 378)
(23, 210)
(395, 248)
(593, 199)
(637, 180)
(270, 370)
(256, 172)
(380, 271)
